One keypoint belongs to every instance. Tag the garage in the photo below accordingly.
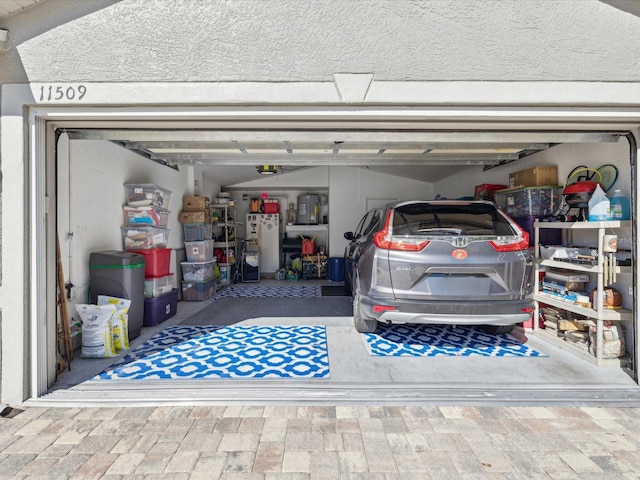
(93, 153)
(355, 141)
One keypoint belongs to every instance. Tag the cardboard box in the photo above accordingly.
(192, 204)
(534, 177)
(199, 216)
(564, 325)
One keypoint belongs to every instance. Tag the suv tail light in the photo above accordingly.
(511, 243)
(386, 240)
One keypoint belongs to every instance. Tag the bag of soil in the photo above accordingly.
(119, 321)
(97, 332)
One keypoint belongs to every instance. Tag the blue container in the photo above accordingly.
(336, 269)
(548, 236)
(619, 206)
(159, 309)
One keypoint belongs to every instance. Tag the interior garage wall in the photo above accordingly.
(566, 157)
(94, 172)
(351, 189)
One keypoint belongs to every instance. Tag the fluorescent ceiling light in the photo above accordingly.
(313, 151)
(266, 151)
(197, 150)
(471, 151)
(401, 151)
(349, 151)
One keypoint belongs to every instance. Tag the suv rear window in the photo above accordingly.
(450, 219)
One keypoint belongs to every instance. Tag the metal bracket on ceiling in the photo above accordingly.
(143, 152)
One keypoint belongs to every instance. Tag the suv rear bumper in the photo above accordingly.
(456, 313)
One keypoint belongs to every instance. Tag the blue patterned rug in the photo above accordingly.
(213, 352)
(244, 290)
(443, 340)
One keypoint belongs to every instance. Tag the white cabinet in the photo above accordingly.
(600, 273)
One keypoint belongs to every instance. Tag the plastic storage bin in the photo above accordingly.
(521, 202)
(195, 232)
(156, 286)
(159, 309)
(548, 236)
(139, 238)
(486, 191)
(156, 217)
(147, 194)
(119, 274)
(270, 205)
(197, 271)
(198, 291)
(201, 251)
(157, 261)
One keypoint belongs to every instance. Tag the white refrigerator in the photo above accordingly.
(265, 227)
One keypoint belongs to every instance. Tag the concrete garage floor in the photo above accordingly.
(561, 378)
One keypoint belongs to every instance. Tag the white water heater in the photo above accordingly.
(308, 210)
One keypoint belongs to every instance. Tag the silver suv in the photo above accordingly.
(443, 262)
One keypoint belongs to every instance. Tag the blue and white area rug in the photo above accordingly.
(443, 340)
(243, 290)
(213, 352)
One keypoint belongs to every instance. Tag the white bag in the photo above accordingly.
(97, 332)
(613, 344)
(119, 321)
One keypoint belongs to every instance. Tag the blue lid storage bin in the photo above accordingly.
(548, 236)
(198, 291)
(521, 202)
(159, 309)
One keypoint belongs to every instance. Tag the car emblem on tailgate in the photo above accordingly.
(459, 254)
(459, 242)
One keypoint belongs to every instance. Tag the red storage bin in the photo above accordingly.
(486, 191)
(270, 206)
(156, 261)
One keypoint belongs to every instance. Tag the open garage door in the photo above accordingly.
(448, 157)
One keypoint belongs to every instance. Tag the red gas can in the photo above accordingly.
(308, 246)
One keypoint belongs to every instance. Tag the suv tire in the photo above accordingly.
(497, 329)
(347, 282)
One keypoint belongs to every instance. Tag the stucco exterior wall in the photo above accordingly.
(277, 40)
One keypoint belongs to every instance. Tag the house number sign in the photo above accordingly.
(62, 93)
